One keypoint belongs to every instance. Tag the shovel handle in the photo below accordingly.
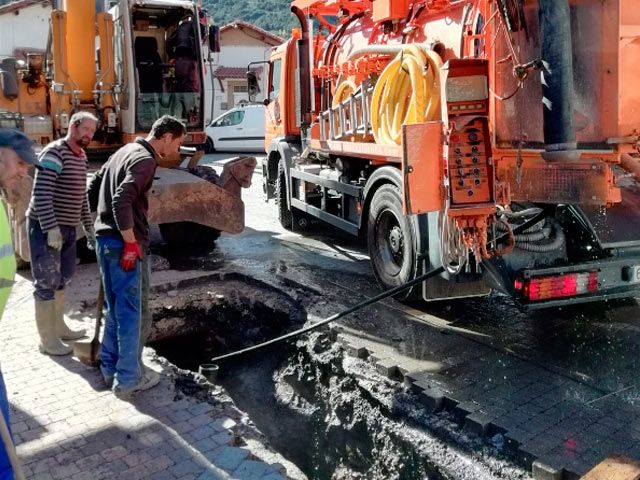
(99, 312)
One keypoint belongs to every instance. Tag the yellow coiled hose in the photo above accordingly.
(407, 92)
(345, 88)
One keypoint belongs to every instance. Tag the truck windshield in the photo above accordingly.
(182, 105)
(168, 66)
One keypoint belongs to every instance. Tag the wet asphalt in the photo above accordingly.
(599, 343)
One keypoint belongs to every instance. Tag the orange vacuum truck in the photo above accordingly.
(496, 138)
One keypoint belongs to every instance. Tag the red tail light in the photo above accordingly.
(557, 286)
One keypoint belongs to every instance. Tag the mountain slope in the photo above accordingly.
(272, 15)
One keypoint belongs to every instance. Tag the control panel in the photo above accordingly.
(469, 170)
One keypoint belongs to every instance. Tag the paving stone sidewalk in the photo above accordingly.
(68, 425)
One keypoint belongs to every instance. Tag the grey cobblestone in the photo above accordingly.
(249, 470)
(203, 432)
(163, 475)
(64, 471)
(185, 467)
(67, 425)
(159, 463)
(229, 458)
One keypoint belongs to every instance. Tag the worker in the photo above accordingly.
(183, 49)
(58, 204)
(16, 156)
(118, 192)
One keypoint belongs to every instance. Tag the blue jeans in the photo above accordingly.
(6, 472)
(120, 352)
(51, 269)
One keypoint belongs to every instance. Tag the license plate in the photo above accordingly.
(634, 274)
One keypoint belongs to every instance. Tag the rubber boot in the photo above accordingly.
(62, 331)
(50, 344)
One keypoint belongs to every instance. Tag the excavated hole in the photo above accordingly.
(297, 393)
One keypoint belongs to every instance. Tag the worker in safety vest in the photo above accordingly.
(16, 155)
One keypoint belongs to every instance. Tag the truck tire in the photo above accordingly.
(284, 212)
(391, 241)
(189, 236)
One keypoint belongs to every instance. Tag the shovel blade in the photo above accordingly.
(87, 352)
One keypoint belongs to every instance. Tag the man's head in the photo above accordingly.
(82, 128)
(16, 155)
(166, 135)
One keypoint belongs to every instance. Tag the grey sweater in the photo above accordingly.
(118, 191)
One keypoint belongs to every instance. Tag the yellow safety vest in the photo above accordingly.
(7, 257)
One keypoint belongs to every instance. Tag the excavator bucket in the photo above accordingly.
(193, 205)
(179, 196)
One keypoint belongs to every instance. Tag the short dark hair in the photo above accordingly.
(167, 124)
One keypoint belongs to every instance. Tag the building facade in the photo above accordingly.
(240, 44)
(24, 27)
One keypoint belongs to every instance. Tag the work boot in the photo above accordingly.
(62, 331)
(50, 344)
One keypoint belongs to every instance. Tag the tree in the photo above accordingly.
(271, 15)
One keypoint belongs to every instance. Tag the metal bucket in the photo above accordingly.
(209, 371)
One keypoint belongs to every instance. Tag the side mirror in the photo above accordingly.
(252, 85)
(214, 39)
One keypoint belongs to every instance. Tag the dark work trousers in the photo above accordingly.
(51, 269)
(187, 77)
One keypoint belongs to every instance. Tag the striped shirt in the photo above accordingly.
(58, 196)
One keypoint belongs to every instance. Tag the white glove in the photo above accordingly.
(91, 239)
(54, 238)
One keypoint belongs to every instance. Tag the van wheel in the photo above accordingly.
(208, 146)
(284, 213)
(189, 236)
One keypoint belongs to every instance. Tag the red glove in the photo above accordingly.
(130, 255)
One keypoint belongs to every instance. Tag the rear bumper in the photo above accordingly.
(612, 282)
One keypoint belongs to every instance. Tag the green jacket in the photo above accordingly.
(7, 257)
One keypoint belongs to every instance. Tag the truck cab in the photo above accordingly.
(155, 73)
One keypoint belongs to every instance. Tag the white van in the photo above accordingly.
(241, 129)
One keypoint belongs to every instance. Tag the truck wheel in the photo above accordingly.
(391, 241)
(189, 236)
(284, 213)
